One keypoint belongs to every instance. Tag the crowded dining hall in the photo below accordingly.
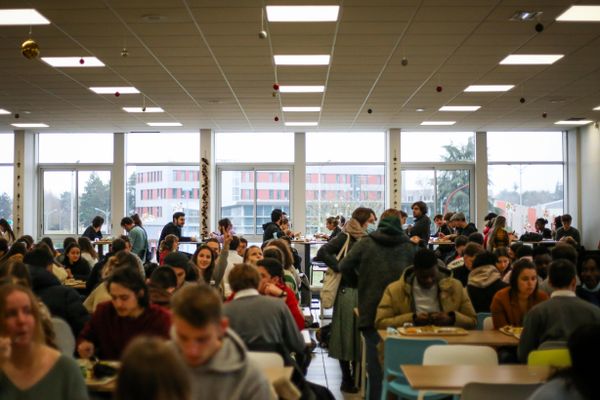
(293, 200)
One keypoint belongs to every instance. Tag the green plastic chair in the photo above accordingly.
(399, 351)
(559, 358)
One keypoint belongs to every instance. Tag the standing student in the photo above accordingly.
(421, 227)
(174, 228)
(29, 369)
(137, 237)
(344, 340)
(93, 232)
(373, 263)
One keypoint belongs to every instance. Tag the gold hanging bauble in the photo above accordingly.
(30, 49)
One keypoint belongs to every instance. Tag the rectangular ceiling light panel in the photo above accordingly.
(301, 109)
(531, 59)
(114, 89)
(301, 89)
(143, 109)
(438, 123)
(73, 62)
(460, 108)
(581, 14)
(30, 125)
(22, 16)
(319, 59)
(164, 124)
(489, 88)
(302, 13)
(301, 123)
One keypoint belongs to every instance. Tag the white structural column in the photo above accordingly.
(117, 183)
(298, 182)
(572, 174)
(207, 146)
(392, 172)
(25, 202)
(481, 179)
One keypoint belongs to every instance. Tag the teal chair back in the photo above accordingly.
(480, 318)
(399, 350)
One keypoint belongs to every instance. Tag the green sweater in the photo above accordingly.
(64, 381)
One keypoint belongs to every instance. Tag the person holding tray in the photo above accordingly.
(426, 294)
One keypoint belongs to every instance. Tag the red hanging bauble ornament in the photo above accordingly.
(81, 61)
(275, 86)
(117, 94)
(276, 119)
(439, 88)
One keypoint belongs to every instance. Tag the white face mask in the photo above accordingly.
(372, 227)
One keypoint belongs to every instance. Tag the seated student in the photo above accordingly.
(580, 380)
(455, 258)
(129, 248)
(542, 323)
(122, 259)
(256, 318)
(331, 224)
(152, 370)
(210, 266)
(95, 277)
(487, 229)
(214, 245)
(502, 260)
(182, 267)
(462, 272)
(161, 285)
(129, 314)
(291, 277)
(484, 281)
(215, 356)
(476, 237)
(76, 266)
(510, 304)
(499, 236)
(568, 230)
(88, 253)
(16, 253)
(28, 241)
(232, 259)
(241, 249)
(223, 226)
(542, 262)
(461, 226)
(562, 251)
(425, 295)
(540, 228)
(522, 252)
(29, 369)
(442, 228)
(271, 284)
(62, 301)
(168, 245)
(93, 232)
(252, 255)
(589, 290)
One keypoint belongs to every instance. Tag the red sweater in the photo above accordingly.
(111, 333)
(292, 303)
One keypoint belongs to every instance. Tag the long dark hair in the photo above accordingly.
(131, 279)
(206, 273)
(4, 224)
(86, 246)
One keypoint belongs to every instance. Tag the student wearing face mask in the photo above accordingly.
(371, 265)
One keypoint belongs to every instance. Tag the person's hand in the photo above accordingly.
(441, 235)
(85, 349)
(422, 319)
(272, 290)
(5, 349)
(69, 273)
(415, 239)
(441, 318)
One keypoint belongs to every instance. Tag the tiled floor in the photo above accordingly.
(326, 371)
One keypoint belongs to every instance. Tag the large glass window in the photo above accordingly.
(254, 147)
(344, 170)
(6, 175)
(248, 196)
(75, 148)
(442, 190)
(525, 177)
(437, 147)
(72, 198)
(163, 177)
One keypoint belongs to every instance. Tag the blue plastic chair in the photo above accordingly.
(399, 350)
(480, 318)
